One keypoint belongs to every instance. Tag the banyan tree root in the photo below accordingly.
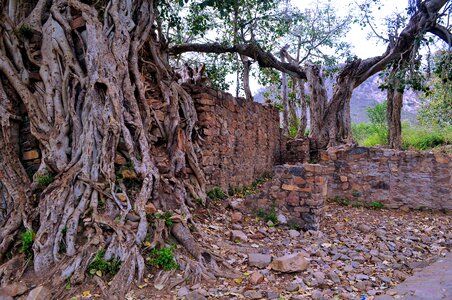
(88, 102)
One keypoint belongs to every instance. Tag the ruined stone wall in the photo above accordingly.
(241, 139)
(297, 191)
(397, 179)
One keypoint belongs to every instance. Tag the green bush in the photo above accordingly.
(163, 258)
(100, 266)
(413, 137)
(377, 205)
(268, 214)
(341, 201)
(422, 138)
(44, 179)
(27, 240)
(216, 193)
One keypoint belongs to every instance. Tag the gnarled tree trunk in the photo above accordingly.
(90, 102)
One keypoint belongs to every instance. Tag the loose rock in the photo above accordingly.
(290, 263)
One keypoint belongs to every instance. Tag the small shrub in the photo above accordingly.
(163, 258)
(294, 225)
(267, 215)
(100, 266)
(27, 240)
(25, 31)
(356, 194)
(342, 201)
(163, 216)
(43, 180)
(216, 193)
(377, 205)
(356, 204)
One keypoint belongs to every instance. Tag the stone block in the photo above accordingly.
(30, 155)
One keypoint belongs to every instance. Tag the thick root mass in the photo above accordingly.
(90, 98)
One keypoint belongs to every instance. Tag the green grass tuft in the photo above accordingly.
(163, 258)
(27, 240)
(101, 267)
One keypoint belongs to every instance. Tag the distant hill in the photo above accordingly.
(367, 95)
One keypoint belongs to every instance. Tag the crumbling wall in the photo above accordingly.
(298, 191)
(397, 179)
(241, 138)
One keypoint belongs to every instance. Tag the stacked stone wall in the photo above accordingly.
(242, 139)
(298, 191)
(397, 179)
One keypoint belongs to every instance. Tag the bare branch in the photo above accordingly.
(251, 50)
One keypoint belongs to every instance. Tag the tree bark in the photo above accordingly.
(246, 77)
(394, 111)
(88, 104)
(284, 100)
(303, 109)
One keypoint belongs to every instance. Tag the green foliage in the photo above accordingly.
(25, 31)
(419, 138)
(341, 201)
(216, 193)
(167, 216)
(245, 191)
(163, 258)
(101, 267)
(422, 138)
(436, 107)
(268, 214)
(27, 240)
(44, 179)
(377, 114)
(376, 205)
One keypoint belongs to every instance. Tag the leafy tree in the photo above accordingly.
(436, 108)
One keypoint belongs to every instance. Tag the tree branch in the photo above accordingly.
(251, 50)
(442, 32)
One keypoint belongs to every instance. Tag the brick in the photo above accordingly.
(30, 155)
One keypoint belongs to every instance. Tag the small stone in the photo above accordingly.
(294, 233)
(334, 277)
(236, 203)
(272, 295)
(259, 260)
(195, 296)
(236, 217)
(182, 292)
(319, 277)
(290, 263)
(128, 174)
(348, 268)
(256, 278)
(238, 236)
(14, 289)
(364, 228)
(39, 293)
(317, 295)
(293, 286)
(362, 277)
(282, 219)
(253, 294)
(361, 285)
(150, 208)
(120, 160)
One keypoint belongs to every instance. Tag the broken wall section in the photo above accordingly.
(242, 139)
(397, 179)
